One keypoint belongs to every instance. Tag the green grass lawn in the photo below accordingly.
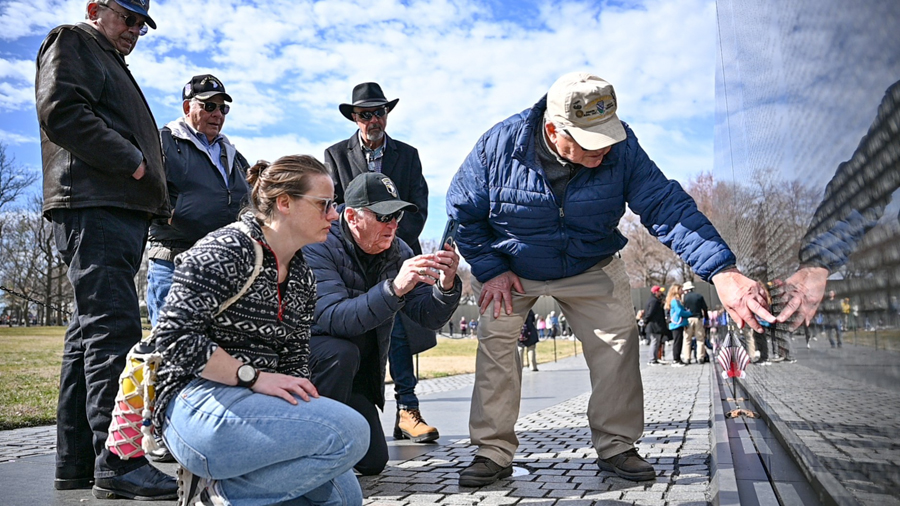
(30, 359)
(29, 375)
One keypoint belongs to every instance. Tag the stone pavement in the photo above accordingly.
(555, 465)
(838, 412)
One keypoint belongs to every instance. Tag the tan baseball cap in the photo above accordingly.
(586, 106)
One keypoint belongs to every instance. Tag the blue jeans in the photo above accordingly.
(264, 450)
(402, 371)
(102, 246)
(159, 281)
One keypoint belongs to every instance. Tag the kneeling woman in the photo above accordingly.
(234, 403)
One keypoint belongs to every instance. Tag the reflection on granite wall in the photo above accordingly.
(807, 170)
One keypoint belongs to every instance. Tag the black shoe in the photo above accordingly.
(145, 483)
(483, 471)
(629, 465)
(73, 483)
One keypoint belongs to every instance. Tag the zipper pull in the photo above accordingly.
(229, 196)
(562, 214)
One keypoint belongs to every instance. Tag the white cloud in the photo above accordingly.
(12, 138)
(457, 67)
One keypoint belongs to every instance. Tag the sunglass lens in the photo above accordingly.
(211, 106)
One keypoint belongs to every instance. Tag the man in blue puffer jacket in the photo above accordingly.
(538, 201)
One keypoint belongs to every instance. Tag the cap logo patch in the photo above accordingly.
(599, 109)
(389, 186)
(187, 89)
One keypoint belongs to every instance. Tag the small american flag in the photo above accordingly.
(732, 357)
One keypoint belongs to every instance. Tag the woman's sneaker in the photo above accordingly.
(212, 495)
(190, 486)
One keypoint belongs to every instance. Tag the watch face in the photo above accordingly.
(246, 372)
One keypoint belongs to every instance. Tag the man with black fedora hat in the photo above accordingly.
(365, 277)
(371, 150)
(103, 181)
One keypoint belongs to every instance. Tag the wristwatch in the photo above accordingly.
(247, 375)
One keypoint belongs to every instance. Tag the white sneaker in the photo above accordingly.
(189, 487)
(212, 495)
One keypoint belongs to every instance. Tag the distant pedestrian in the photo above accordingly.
(463, 327)
(542, 328)
(528, 340)
(678, 321)
(655, 321)
(451, 328)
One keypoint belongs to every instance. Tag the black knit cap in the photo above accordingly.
(377, 193)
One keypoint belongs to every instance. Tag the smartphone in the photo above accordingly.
(449, 233)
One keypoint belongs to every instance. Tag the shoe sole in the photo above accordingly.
(188, 485)
(645, 476)
(73, 483)
(428, 437)
(480, 481)
(105, 493)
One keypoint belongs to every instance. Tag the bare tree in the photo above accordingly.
(14, 179)
(647, 261)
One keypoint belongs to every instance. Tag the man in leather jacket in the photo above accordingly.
(103, 181)
(207, 181)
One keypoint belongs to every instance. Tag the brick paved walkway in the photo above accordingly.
(556, 465)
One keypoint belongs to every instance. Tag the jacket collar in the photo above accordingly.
(358, 159)
(182, 130)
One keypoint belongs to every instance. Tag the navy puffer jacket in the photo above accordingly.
(348, 307)
(510, 220)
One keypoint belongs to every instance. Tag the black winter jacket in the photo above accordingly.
(96, 127)
(655, 316)
(199, 198)
(348, 307)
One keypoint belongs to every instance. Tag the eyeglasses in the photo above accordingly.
(367, 115)
(387, 218)
(327, 204)
(211, 106)
(130, 19)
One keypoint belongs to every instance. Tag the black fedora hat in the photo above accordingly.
(367, 95)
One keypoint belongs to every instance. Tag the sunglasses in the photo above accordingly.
(327, 204)
(130, 19)
(387, 218)
(211, 106)
(367, 115)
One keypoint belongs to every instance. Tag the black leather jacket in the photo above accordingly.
(96, 127)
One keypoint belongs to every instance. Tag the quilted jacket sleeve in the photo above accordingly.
(671, 215)
(468, 201)
(338, 312)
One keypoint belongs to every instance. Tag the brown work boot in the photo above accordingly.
(629, 465)
(411, 425)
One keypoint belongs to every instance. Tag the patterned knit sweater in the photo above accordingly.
(266, 327)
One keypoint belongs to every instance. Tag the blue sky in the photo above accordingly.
(457, 67)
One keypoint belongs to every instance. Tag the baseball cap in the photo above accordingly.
(586, 106)
(141, 7)
(203, 87)
(377, 193)
(655, 289)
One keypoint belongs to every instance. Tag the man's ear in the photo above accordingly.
(186, 106)
(550, 129)
(92, 9)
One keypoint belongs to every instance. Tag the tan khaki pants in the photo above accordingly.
(696, 331)
(597, 305)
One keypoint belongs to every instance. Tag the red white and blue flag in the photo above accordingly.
(732, 357)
